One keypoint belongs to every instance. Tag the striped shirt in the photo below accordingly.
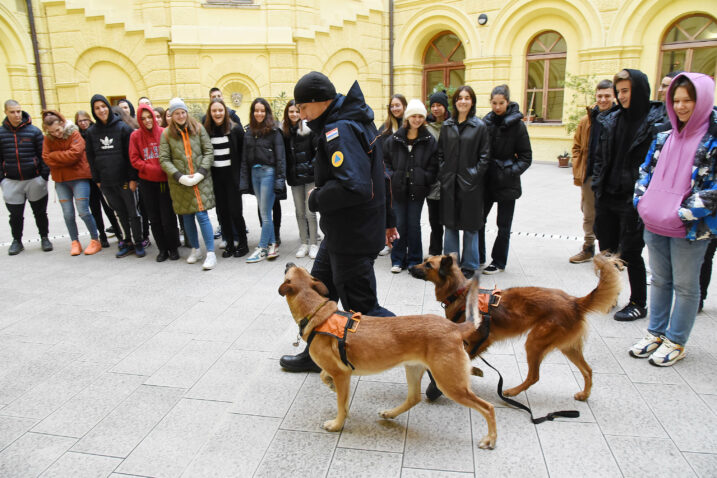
(222, 157)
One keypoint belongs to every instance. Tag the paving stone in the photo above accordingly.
(12, 428)
(184, 369)
(351, 463)
(28, 374)
(31, 454)
(298, 454)
(657, 457)
(153, 354)
(128, 424)
(555, 390)
(269, 391)
(169, 448)
(419, 473)
(698, 370)
(81, 465)
(703, 464)
(639, 370)
(80, 414)
(223, 380)
(236, 448)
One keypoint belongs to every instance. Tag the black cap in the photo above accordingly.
(439, 97)
(313, 87)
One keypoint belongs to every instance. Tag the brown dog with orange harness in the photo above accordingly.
(344, 344)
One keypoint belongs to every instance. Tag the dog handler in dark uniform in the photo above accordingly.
(349, 195)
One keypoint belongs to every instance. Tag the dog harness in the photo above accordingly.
(336, 326)
(487, 298)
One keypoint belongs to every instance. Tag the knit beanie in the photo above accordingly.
(439, 97)
(313, 87)
(177, 104)
(415, 107)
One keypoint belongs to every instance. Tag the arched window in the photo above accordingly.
(443, 62)
(544, 81)
(690, 45)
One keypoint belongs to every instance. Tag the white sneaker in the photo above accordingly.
(194, 256)
(667, 354)
(259, 254)
(223, 244)
(273, 251)
(210, 261)
(385, 251)
(645, 347)
(303, 250)
(396, 269)
(313, 251)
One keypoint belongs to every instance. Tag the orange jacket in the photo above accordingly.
(66, 157)
(581, 147)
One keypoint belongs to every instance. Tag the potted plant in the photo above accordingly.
(564, 159)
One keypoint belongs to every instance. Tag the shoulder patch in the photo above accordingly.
(337, 159)
(332, 134)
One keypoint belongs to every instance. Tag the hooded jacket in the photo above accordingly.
(676, 195)
(463, 155)
(412, 172)
(510, 153)
(107, 147)
(624, 141)
(144, 149)
(66, 157)
(300, 146)
(349, 176)
(21, 150)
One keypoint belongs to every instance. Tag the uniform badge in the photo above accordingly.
(332, 134)
(337, 159)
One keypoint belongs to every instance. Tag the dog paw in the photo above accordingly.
(386, 414)
(487, 442)
(332, 425)
(582, 396)
(477, 372)
(511, 392)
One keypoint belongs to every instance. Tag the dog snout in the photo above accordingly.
(417, 272)
(289, 265)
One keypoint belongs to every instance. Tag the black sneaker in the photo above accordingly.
(162, 256)
(241, 251)
(630, 312)
(492, 269)
(15, 248)
(173, 255)
(105, 243)
(110, 231)
(46, 244)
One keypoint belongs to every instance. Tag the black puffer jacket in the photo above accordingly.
(510, 154)
(21, 150)
(266, 150)
(300, 148)
(107, 147)
(412, 173)
(463, 152)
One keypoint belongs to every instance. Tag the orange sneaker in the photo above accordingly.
(94, 247)
(76, 249)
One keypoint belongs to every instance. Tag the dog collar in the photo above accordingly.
(454, 297)
(305, 321)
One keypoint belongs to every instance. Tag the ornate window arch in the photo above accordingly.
(545, 67)
(443, 62)
(690, 44)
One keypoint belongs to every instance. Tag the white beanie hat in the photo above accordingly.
(415, 107)
(177, 104)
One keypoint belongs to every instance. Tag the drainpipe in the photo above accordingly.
(390, 47)
(36, 51)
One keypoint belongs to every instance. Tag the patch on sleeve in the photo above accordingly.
(337, 159)
(332, 134)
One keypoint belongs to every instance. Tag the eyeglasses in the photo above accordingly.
(83, 121)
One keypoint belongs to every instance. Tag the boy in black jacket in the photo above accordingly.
(108, 154)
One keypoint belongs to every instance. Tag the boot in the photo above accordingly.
(299, 363)
(432, 391)
(585, 255)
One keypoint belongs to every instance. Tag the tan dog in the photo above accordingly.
(551, 318)
(415, 341)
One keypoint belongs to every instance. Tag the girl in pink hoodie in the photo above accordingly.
(676, 198)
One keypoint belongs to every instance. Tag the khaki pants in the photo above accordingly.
(587, 206)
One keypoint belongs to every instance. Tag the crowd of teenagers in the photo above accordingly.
(646, 171)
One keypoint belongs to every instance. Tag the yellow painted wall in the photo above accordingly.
(166, 48)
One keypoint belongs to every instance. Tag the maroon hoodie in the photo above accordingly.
(144, 149)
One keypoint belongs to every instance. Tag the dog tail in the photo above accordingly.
(473, 315)
(604, 296)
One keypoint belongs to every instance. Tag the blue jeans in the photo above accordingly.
(80, 190)
(205, 224)
(468, 259)
(262, 179)
(675, 265)
(407, 250)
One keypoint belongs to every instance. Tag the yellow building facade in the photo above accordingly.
(166, 48)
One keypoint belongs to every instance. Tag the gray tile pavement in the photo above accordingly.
(131, 368)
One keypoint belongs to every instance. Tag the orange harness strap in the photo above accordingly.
(336, 326)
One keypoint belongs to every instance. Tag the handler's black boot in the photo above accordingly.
(299, 363)
(432, 391)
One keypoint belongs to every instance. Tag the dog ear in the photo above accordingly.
(286, 288)
(319, 287)
(446, 263)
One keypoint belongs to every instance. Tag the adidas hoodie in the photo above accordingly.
(107, 147)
